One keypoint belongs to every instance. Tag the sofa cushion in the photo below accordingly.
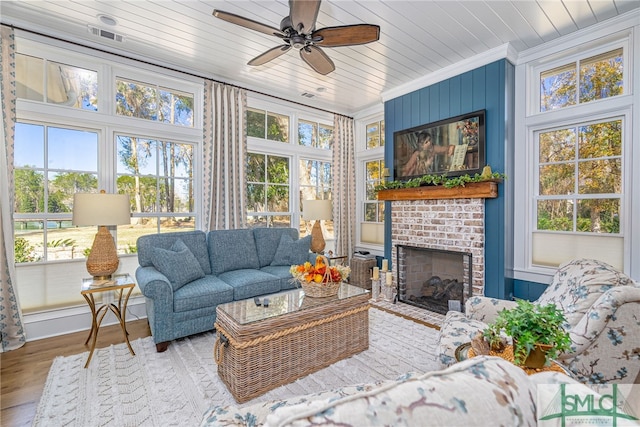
(196, 241)
(457, 329)
(480, 391)
(267, 241)
(232, 250)
(291, 251)
(250, 283)
(177, 263)
(206, 292)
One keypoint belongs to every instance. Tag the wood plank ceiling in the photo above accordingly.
(417, 38)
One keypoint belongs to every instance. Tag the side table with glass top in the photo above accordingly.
(122, 285)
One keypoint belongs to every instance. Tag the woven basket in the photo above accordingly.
(320, 290)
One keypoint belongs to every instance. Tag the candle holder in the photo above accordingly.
(388, 291)
(375, 288)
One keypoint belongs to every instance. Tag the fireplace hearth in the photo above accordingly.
(437, 280)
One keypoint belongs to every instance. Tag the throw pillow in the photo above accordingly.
(178, 264)
(291, 251)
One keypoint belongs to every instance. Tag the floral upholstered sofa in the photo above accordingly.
(481, 391)
(602, 308)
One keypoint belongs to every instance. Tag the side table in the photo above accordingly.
(118, 283)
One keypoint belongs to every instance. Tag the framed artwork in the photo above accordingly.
(454, 146)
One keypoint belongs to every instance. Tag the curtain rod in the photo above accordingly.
(171, 69)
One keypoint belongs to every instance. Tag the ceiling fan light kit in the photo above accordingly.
(298, 31)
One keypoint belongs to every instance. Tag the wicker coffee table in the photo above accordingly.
(260, 348)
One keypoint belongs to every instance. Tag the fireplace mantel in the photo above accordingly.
(472, 190)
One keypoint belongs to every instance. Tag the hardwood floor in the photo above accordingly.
(23, 372)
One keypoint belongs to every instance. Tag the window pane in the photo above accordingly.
(307, 133)
(600, 140)
(256, 123)
(29, 146)
(556, 215)
(557, 146)
(255, 167)
(375, 134)
(256, 221)
(277, 198)
(601, 76)
(325, 137)
(280, 221)
(29, 77)
(277, 127)
(373, 170)
(256, 201)
(136, 100)
(29, 191)
(28, 239)
(599, 176)
(63, 185)
(72, 86)
(136, 155)
(599, 215)
(558, 87)
(72, 149)
(370, 212)
(176, 107)
(278, 170)
(557, 179)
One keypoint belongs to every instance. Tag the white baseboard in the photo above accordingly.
(65, 321)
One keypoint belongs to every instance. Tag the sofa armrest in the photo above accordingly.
(595, 320)
(154, 285)
(486, 309)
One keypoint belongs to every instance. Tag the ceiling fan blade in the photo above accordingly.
(303, 15)
(317, 59)
(247, 23)
(348, 35)
(269, 55)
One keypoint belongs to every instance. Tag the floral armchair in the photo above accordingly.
(602, 308)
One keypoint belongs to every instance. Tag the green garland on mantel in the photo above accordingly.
(445, 181)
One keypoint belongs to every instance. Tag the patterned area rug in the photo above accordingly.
(177, 386)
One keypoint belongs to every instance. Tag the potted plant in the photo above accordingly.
(532, 328)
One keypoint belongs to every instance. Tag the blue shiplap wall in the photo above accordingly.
(482, 88)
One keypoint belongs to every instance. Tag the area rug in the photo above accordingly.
(174, 388)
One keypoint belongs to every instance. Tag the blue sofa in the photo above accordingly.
(185, 275)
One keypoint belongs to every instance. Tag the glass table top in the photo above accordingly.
(246, 311)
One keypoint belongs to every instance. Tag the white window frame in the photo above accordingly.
(528, 119)
(364, 155)
(291, 149)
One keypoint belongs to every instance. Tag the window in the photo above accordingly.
(597, 77)
(316, 135)
(371, 213)
(574, 167)
(65, 85)
(375, 135)
(75, 133)
(266, 125)
(158, 175)
(155, 103)
(315, 184)
(268, 189)
(51, 164)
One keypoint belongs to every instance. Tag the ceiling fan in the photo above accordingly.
(298, 31)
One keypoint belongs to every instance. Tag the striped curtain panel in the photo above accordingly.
(11, 329)
(224, 153)
(344, 179)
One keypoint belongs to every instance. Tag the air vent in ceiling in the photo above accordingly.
(106, 34)
(308, 95)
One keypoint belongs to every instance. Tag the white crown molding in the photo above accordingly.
(501, 52)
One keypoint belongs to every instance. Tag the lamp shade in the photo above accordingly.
(317, 210)
(101, 209)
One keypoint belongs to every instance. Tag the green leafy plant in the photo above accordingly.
(24, 251)
(529, 324)
(446, 181)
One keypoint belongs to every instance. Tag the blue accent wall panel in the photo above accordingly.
(482, 88)
(528, 290)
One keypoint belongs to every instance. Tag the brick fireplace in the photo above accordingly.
(447, 220)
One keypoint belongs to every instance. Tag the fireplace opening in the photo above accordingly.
(434, 279)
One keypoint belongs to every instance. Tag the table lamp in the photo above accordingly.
(103, 210)
(317, 210)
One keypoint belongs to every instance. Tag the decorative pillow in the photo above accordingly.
(178, 264)
(291, 251)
